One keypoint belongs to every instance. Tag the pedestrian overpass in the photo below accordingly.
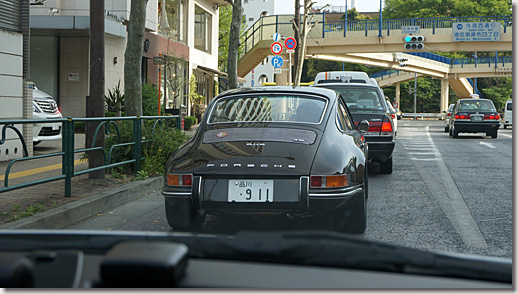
(362, 41)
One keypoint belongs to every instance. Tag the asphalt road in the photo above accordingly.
(445, 194)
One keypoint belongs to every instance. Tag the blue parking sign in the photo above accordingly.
(277, 61)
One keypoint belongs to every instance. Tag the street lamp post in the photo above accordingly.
(379, 34)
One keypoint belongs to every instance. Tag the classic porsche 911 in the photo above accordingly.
(278, 150)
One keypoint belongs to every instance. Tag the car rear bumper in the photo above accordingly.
(380, 148)
(301, 202)
(469, 127)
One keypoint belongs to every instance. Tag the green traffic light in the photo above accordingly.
(408, 38)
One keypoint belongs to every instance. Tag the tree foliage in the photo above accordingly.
(444, 8)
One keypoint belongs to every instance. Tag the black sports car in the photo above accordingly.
(474, 116)
(277, 150)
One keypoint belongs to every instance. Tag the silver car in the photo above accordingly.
(447, 119)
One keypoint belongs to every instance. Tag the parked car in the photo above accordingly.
(271, 150)
(366, 102)
(447, 119)
(45, 107)
(508, 113)
(474, 116)
(393, 113)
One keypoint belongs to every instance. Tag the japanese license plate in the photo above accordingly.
(476, 118)
(250, 190)
(55, 126)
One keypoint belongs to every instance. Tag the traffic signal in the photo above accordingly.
(414, 42)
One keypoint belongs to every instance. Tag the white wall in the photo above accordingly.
(11, 90)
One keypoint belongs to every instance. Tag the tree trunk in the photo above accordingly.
(233, 42)
(133, 59)
(297, 39)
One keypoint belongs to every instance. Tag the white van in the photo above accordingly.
(357, 77)
(508, 113)
(44, 107)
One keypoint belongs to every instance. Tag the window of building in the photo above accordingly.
(251, 19)
(172, 20)
(264, 13)
(202, 29)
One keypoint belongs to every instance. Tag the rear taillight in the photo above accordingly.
(491, 116)
(462, 116)
(329, 181)
(179, 180)
(393, 115)
(448, 114)
(386, 127)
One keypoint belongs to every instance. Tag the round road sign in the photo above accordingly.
(276, 48)
(290, 43)
(277, 61)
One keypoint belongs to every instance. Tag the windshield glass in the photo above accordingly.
(360, 99)
(275, 108)
(476, 105)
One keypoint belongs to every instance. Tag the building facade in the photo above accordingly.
(184, 32)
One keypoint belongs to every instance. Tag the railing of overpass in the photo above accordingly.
(480, 61)
(266, 26)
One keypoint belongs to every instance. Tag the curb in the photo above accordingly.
(74, 212)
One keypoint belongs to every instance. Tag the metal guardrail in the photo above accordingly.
(266, 26)
(68, 149)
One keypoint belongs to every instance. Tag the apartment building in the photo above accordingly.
(185, 31)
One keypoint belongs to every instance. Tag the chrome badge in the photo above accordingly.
(222, 134)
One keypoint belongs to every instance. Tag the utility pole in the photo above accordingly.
(415, 93)
(95, 102)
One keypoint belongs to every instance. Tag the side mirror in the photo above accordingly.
(363, 126)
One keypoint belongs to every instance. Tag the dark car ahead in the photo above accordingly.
(271, 151)
(367, 102)
(474, 116)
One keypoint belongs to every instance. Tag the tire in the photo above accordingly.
(455, 134)
(182, 217)
(446, 129)
(352, 219)
(494, 134)
(386, 166)
(36, 143)
(450, 132)
(505, 126)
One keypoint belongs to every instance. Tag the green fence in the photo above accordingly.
(68, 149)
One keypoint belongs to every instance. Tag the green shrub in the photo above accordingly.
(163, 141)
(149, 100)
(189, 122)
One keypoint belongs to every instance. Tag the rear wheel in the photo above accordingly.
(182, 217)
(505, 126)
(36, 143)
(352, 219)
(450, 132)
(455, 133)
(494, 134)
(386, 166)
(446, 129)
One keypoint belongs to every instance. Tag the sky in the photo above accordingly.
(362, 5)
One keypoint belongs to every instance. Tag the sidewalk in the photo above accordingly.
(44, 206)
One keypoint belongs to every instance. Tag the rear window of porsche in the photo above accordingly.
(269, 108)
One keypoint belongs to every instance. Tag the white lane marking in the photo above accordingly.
(487, 144)
(505, 135)
(452, 203)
